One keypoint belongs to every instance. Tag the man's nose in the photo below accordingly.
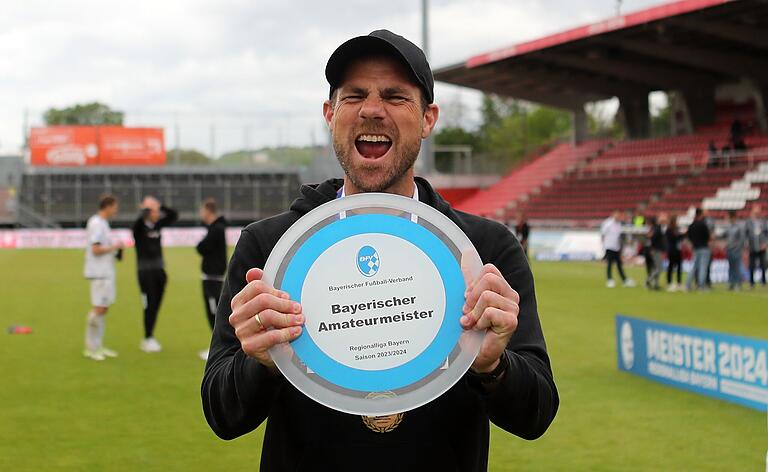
(372, 108)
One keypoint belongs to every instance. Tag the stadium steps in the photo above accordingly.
(644, 176)
(530, 178)
(742, 194)
(720, 189)
(28, 218)
(628, 176)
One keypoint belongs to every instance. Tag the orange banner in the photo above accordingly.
(96, 145)
(64, 146)
(131, 146)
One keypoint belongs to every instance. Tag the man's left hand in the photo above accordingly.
(491, 303)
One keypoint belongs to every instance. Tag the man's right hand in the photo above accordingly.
(259, 307)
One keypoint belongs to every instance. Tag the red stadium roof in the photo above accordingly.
(611, 24)
(688, 45)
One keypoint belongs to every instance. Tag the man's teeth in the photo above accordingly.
(374, 138)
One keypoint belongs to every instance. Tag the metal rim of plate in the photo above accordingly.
(429, 387)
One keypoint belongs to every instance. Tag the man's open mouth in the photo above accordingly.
(372, 146)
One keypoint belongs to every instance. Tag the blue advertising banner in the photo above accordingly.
(723, 366)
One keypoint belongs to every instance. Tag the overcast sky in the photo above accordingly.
(248, 72)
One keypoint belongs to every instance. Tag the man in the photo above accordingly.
(380, 108)
(735, 239)
(522, 231)
(710, 222)
(699, 236)
(149, 262)
(213, 248)
(610, 234)
(100, 271)
(657, 248)
(757, 236)
(714, 158)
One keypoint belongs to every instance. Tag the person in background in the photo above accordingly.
(757, 237)
(638, 221)
(699, 235)
(150, 264)
(213, 248)
(735, 240)
(644, 249)
(710, 222)
(737, 136)
(674, 254)
(610, 234)
(713, 158)
(522, 231)
(725, 155)
(100, 271)
(657, 248)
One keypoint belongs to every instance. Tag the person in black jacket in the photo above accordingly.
(149, 263)
(380, 108)
(699, 236)
(674, 254)
(656, 248)
(213, 248)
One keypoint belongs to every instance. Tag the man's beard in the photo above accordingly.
(403, 157)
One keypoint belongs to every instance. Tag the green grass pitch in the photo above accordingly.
(60, 411)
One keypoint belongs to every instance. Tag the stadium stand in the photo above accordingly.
(750, 189)
(529, 178)
(593, 198)
(67, 195)
(710, 53)
(731, 186)
(579, 186)
(457, 195)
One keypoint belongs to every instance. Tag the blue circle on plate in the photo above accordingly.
(447, 336)
(368, 261)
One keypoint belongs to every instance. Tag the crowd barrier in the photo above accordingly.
(718, 365)
(76, 238)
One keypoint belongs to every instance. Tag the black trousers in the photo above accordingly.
(614, 257)
(756, 259)
(152, 284)
(675, 264)
(211, 293)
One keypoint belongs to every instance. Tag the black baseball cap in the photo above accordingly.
(382, 41)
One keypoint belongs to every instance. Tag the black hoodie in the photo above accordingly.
(213, 248)
(147, 239)
(449, 433)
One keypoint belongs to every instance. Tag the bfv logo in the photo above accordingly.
(368, 261)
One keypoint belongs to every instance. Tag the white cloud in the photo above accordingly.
(252, 68)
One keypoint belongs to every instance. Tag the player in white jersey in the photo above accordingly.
(100, 270)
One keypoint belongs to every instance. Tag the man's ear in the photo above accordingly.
(430, 119)
(328, 113)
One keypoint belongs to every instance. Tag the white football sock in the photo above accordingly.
(100, 331)
(92, 332)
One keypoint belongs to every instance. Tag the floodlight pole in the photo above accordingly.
(427, 158)
(425, 27)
